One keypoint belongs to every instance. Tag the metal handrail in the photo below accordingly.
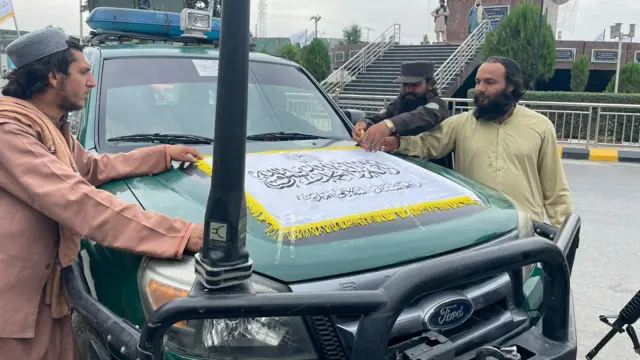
(463, 54)
(575, 123)
(362, 59)
(383, 98)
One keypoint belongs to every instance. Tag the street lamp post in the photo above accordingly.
(616, 32)
(315, 19)
(368, 30)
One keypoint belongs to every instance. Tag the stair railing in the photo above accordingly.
(335, 82)
(457, 62)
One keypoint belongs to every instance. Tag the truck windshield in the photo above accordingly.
(178, 96)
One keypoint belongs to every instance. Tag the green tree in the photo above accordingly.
(315, 58)
(352, 34)
(217, 8)
(516, 38)
(55, 27)
(290, 52)
(629, 80)
(197, 4)
(580, 74)
(425, 40)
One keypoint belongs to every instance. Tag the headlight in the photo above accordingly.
(162, 280)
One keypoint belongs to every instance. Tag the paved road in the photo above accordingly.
(606, 272)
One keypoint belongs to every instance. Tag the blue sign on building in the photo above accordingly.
(494, 14)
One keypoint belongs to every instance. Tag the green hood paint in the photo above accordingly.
(179, 194)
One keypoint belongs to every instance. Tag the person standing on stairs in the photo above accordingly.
(417, 109)
(476, 15)
(441, 17)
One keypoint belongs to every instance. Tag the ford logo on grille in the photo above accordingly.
(448, 314)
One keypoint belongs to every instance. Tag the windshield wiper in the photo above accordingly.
(164, 138)
(282, 135)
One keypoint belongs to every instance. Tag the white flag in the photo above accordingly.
(6, 10)
(303, 193)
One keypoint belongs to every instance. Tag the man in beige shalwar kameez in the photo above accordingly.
(500, 144)
(48, 197)
(441, 14)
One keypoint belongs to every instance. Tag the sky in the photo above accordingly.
(578, 19)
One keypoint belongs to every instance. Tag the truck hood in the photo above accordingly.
(183, 192)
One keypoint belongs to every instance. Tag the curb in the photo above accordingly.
(599, 154)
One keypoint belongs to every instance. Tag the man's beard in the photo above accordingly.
(411, 101)
(65, 103)
(68, 106)
(494, 108)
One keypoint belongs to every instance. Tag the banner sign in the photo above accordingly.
(604, 56)
(565, 54)
(494, 14)
(308, 192)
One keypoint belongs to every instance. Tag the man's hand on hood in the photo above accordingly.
(183, 153)
(374, 136)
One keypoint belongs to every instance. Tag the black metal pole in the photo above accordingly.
(223, 260)
(537, 54)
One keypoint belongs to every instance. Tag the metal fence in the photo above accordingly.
(307, 106)
(575, 123)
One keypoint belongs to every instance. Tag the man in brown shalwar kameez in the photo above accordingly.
(48, 197)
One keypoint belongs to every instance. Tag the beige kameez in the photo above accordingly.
(440, 25)
(519, 158)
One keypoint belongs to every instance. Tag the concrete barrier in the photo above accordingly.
(599, 154)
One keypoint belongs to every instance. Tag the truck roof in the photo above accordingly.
(165, 49)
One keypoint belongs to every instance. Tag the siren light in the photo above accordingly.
(189, 23)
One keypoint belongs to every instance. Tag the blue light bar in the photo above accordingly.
(148, 22)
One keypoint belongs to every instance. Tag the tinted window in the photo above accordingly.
(148, 95)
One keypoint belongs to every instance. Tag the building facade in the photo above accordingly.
(458, 24)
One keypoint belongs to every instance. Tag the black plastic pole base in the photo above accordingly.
(223, 276)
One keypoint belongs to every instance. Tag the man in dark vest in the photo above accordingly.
(417, 109)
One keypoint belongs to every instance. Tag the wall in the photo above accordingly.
(458, 25)
(340, 54)
(585, 47)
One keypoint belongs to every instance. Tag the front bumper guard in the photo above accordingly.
(379, 308)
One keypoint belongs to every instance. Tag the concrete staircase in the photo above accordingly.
(366, 81)
(379, 76)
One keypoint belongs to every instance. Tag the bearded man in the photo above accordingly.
(48, 198)
(418, 108)
(500, 144)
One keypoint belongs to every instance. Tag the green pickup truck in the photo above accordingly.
(452, 293)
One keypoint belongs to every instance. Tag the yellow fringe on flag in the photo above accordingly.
(274, 228)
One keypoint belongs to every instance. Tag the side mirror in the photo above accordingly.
(354, 115)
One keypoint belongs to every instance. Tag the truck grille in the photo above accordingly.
(493, 317)
(326, 338)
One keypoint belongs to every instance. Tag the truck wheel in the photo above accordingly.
(90, 343)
